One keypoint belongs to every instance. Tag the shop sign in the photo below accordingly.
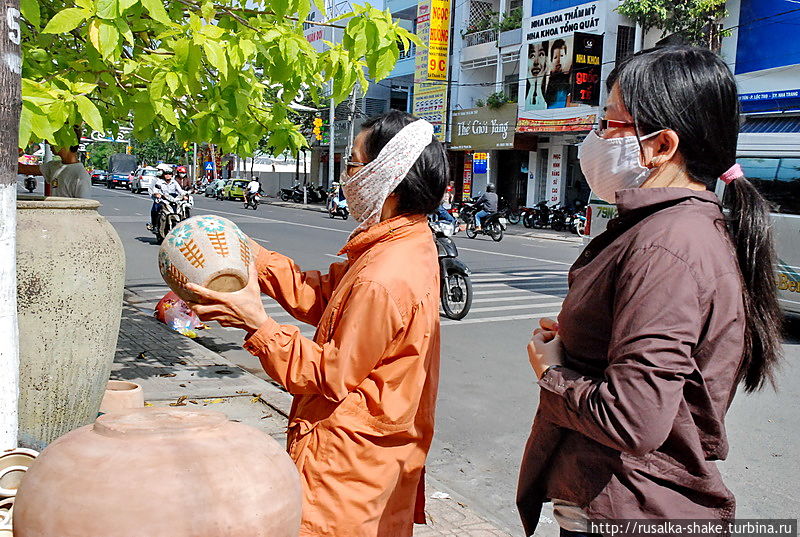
(484, 128)
(439, 39)
(480, 163)
(587, 17)
(564, 72)
(466, 186)
(567, 124)
(430, 98)
(556, 166)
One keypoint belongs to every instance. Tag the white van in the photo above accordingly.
(774, 168)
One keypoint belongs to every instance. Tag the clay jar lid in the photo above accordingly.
(160, 421)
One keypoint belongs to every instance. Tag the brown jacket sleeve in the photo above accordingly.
(369, 322)
(304, 295)
(657, 324)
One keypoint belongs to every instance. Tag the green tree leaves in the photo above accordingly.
(696, 21)
(212, 71)
(65, 21)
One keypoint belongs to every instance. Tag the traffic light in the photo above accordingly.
(317, 128)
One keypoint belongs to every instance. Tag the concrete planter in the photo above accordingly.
(510, 37)
(70, 277)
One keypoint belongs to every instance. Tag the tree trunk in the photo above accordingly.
(10, 107)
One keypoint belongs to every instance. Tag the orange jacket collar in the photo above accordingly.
(391, 229)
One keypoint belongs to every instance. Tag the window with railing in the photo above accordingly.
(479, 38)
(409, 53)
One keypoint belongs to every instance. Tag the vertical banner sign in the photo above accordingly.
(555, 174)
(480, 163)
(430, 98)
(586, 69)
(439, 39)
(466, 186)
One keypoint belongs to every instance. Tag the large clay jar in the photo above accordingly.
(206, 250)
(70, 277)
(161, 472)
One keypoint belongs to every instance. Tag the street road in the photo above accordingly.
(488, 393)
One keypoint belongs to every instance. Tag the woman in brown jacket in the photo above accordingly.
(365, 387)
(668, 311)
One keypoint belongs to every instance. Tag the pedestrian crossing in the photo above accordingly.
(514, 296)
(497, 297)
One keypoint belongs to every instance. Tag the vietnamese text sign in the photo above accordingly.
(466, 187)
(484, 128)
(430, 98)
(480, 163)
(572, 124)
(586, 68)
(438, 39)
(554, 177)
(587, 17)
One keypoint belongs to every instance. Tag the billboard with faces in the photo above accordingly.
(563, 72)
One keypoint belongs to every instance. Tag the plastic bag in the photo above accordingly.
(174, 312)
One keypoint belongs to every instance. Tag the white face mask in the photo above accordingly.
(611, 164)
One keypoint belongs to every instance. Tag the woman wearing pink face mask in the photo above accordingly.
(668, 311)
(365, 387)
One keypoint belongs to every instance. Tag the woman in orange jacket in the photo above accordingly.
(365, 387)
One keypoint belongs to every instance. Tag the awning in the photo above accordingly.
(783, 124)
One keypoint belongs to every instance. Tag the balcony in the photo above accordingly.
(480, 38)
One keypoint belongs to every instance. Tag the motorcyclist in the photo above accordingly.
(487, 204)
(164, 187)
(253, 188)
(182, 179)
(219, 184)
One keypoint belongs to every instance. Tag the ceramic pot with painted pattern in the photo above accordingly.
(205, 250)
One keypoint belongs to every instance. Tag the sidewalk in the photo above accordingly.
(175, 370)
(517, 230)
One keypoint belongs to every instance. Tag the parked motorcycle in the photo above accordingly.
(171, 212)
(559, 216)
(455, 282)
(537, 216)
(252, 200)
(508, 212)
(30, 183)
(494, 225)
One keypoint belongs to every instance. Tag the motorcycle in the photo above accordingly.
(30, 183)
(558, 218)
(337, 207)
(494, 224)
(252, 200)
(287, 194)
(455, 282)
(512, 215)
(538, 216)
(171, 212)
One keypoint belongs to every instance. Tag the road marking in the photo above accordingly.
(139, 214)
(517, 307)
(337, 256)
(528, 290)
(507, 298)
(529, 317)
(515, 256)
(260, 240)
(480, 279)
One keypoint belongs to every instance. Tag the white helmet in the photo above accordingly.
(164, 169)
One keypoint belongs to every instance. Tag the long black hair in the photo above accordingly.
(422, 190)
(691, 91)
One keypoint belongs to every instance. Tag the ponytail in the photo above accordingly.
(750, 226)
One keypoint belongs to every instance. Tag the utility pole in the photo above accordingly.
(10, 108)
(194, 163)
(331, 143)
(351, 115)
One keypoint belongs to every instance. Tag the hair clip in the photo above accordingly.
(734, 172)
